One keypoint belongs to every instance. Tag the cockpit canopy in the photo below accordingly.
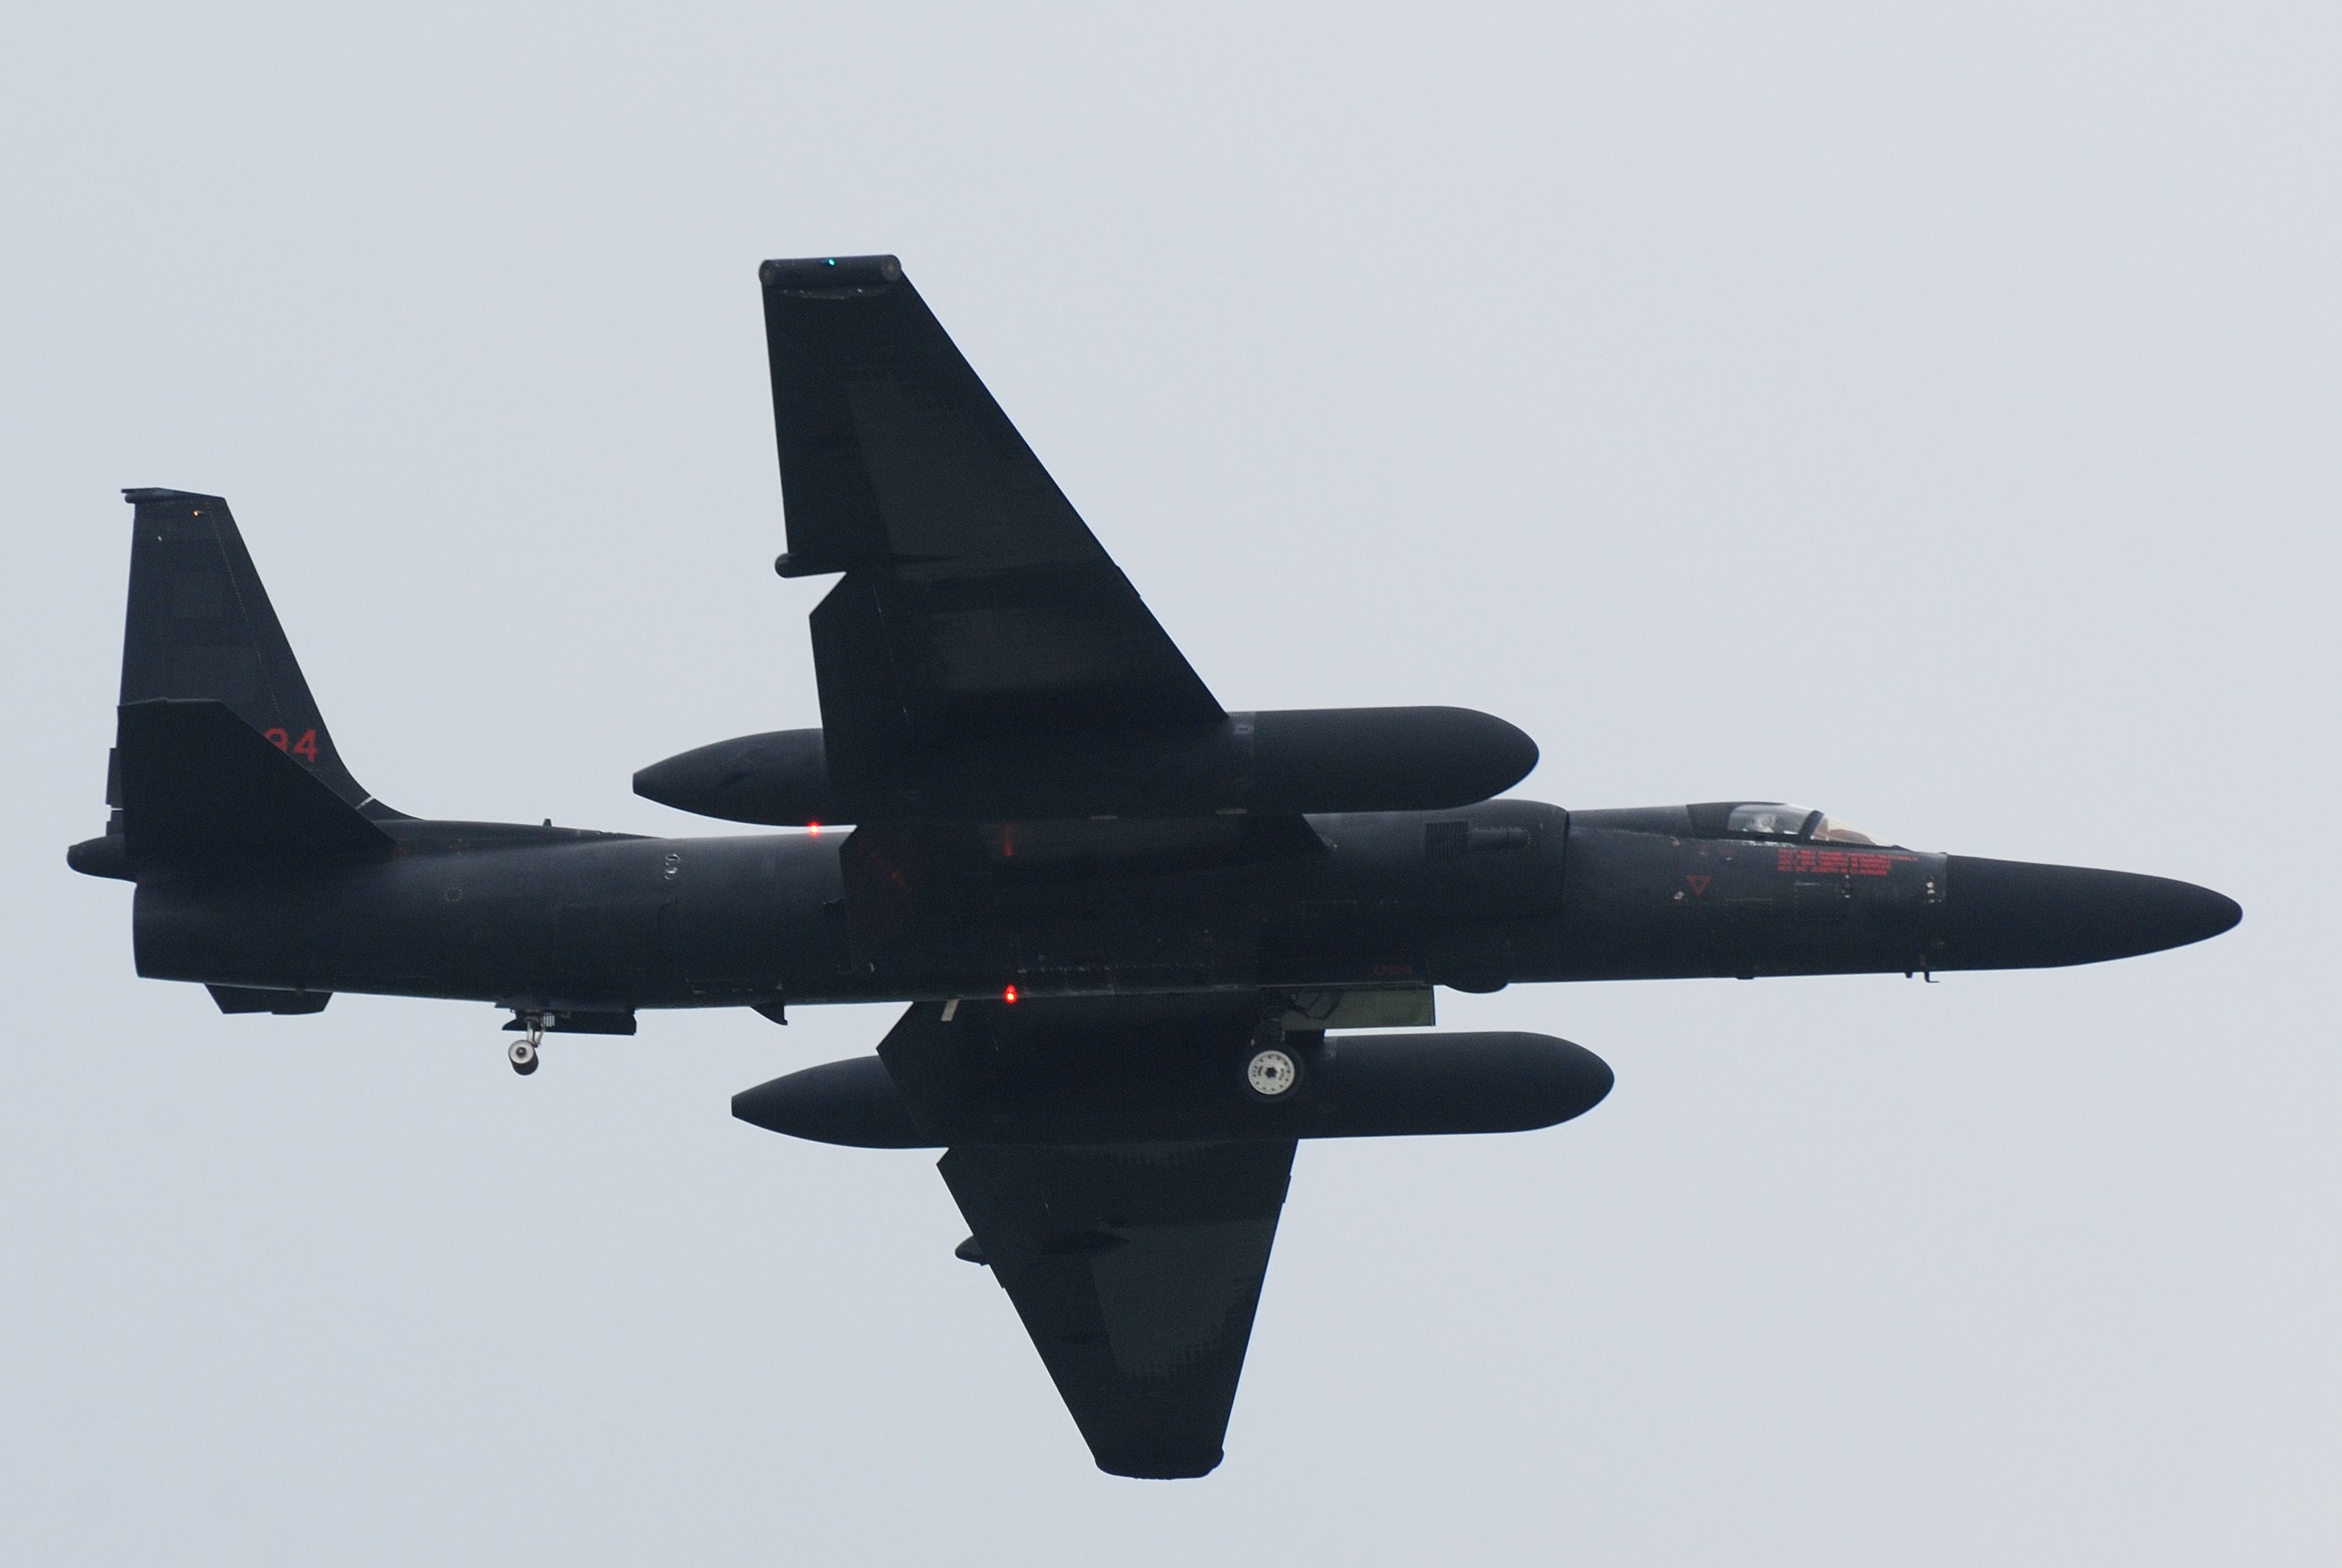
(1771, 819)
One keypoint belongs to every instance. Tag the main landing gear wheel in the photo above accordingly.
(522, 1053)
(1272, 1074)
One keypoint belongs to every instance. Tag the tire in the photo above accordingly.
(523, 1057)
(1272, 1075)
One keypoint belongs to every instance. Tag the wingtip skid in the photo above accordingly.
(824, 275)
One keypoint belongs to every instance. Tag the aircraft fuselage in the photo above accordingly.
(1142, 936)
(1509, 891)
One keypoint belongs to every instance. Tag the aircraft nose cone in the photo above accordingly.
(2013, 915)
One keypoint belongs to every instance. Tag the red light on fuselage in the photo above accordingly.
(813, 829)
(1009, 995)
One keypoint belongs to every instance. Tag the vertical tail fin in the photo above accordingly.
(200, 626)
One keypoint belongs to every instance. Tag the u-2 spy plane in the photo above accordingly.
(1136, 934)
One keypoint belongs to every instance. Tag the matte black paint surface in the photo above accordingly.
(532, 916)
(2008, 915)
(1087, 1091)
(1306, 760)
(1101, 894)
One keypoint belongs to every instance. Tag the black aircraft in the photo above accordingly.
(1132, 927)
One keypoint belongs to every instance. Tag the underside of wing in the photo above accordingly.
(978, 609)
(1122, 1161)
(1136, 1270)
(1136, 1266)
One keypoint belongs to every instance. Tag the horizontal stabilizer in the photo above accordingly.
(253, 999)
(199, 783)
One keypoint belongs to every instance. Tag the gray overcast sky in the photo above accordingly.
(1927, 413)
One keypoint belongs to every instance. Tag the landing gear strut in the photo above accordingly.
(1273, 1071)
(522, 1053)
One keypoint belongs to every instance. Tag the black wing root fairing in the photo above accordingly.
(946, 893)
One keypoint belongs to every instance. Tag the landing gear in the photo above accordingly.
(1272, 1073)
(522, 1053)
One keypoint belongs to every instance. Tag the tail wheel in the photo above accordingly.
(1273, 1073)
(522, 1055)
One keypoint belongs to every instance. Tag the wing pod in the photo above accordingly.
(1365, 1087)
(1278, 763)
(780, 777)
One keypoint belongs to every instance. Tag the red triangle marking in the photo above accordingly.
(1698, 884)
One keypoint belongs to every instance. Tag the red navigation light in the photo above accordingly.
(1009, 995)
(813, 829)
